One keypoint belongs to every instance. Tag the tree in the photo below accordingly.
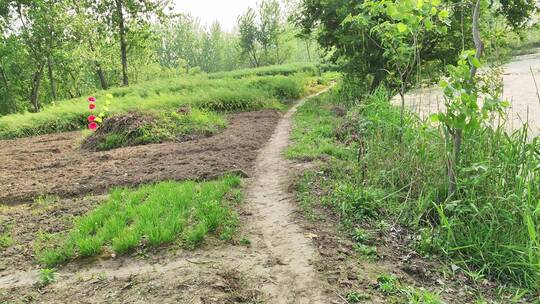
(268, 34)
(42, 29)
(119, 16)
(249, 36)
(400, 29)
(264, 36)
(462, 91)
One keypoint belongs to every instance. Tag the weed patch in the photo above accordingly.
(490, 228)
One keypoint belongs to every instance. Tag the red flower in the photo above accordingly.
(92, 106)
(91, 118)
(91, 99)
(92, 126)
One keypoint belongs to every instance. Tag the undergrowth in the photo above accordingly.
(489, 230)
(149, 216)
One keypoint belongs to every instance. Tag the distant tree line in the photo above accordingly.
(57, 49)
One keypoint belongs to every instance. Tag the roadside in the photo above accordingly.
(519, 89)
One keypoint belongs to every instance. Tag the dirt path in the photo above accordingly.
(296, 279)
(277, 267)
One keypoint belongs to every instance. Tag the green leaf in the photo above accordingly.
(443, 15)
(443, 83)
(475, 62)
(434, 118)
(402, 27)
(428, 24)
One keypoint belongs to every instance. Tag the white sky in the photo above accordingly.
(224, 11)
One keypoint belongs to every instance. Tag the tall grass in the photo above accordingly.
(151, 215)
(490, 228)
(220, 94)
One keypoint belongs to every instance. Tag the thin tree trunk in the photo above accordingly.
(308, 46)
(123, 44)
(476, 36)
(4, 79)
(51, 77)
(457, 136)
(36, 82)
(402, 114)
(454, 163)
(101, 75)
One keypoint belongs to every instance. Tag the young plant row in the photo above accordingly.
(149, 216)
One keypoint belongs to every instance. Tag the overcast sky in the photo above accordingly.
(224, 11)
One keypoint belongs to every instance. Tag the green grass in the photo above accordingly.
(47, 276)
(491, 228)
(529, 43)
(285, 70)
(6, 240)
(219, 94)
(149, 216)
(313, 133)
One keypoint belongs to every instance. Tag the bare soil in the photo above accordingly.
(56, 165)
(272, 259)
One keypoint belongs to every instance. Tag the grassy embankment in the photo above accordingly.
(206, 97)
(368, 176)
(149, 216)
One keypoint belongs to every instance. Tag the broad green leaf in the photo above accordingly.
(443, 15)
(476, 62)
(443, 83)
(402, 27)
(428, 24)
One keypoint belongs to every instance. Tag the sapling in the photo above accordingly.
(461, 93)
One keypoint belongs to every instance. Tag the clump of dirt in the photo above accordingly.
(127, 127)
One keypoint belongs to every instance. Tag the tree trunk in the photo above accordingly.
(457, 136)
(123, 44)
(51, 77)
(101, 75)
(402, 114)
(36, 82)
(308, 49)
(4, 79)
(453, 165)
(476, 36)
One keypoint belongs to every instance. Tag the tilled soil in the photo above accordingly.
(56, 165)
(275, 265)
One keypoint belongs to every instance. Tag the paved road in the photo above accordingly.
(519, 89)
